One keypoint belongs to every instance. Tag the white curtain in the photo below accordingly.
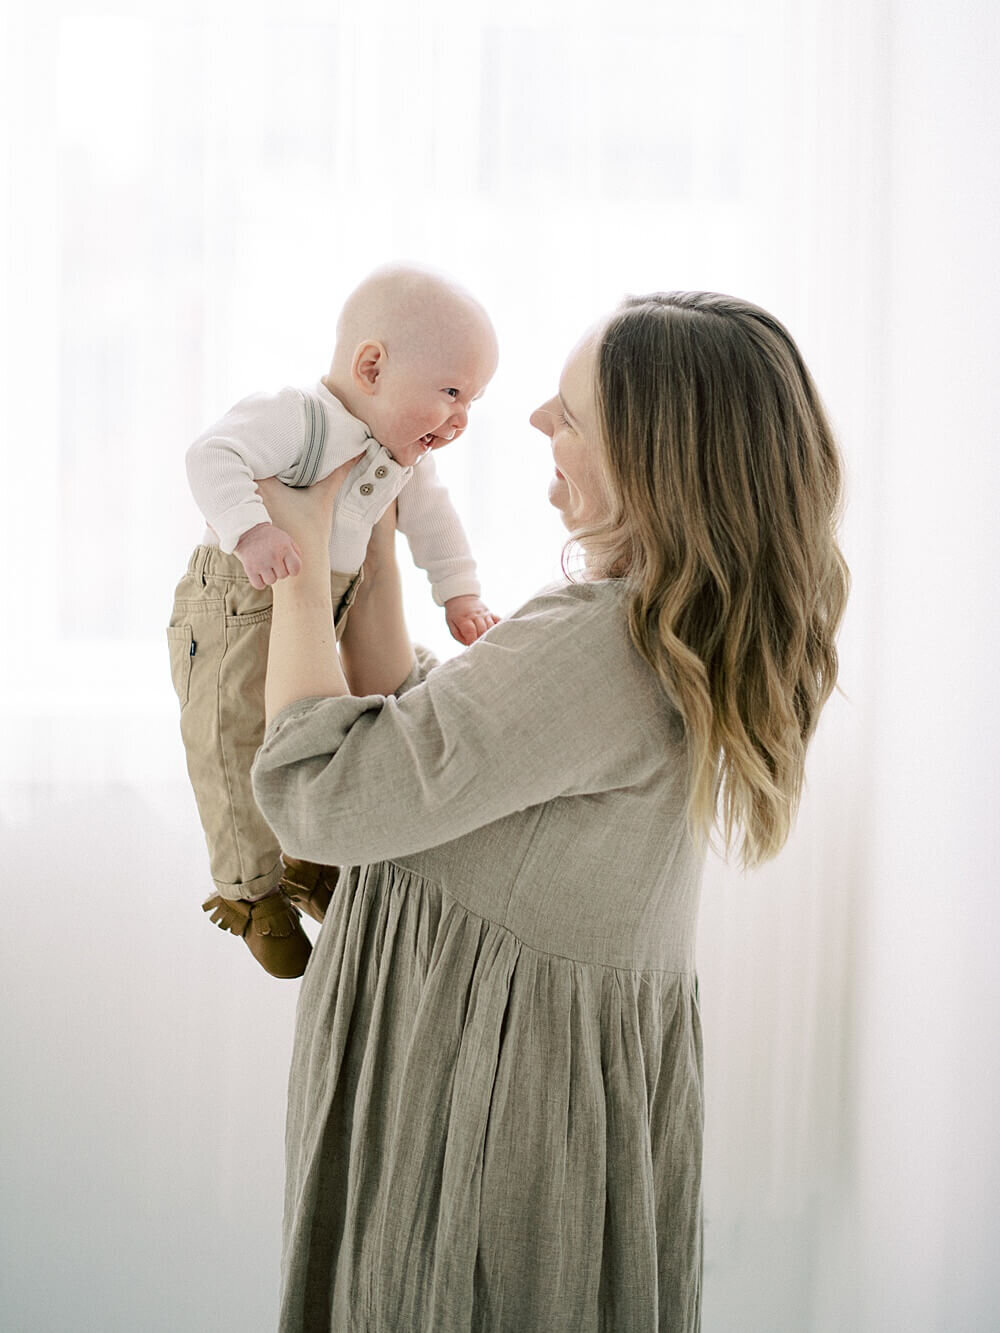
(191, 190)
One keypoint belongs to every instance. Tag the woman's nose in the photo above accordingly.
(541, 419)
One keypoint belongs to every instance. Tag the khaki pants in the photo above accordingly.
(218, 637)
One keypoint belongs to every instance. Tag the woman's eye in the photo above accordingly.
(567, 424)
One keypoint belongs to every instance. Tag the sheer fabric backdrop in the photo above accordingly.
(192, 191)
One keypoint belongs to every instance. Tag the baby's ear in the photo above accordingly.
(369, 357)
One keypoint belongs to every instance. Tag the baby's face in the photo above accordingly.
(422, 402)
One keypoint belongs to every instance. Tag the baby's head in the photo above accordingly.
(413, 351)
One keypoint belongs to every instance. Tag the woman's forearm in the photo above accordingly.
(302, 656)
(375, 650)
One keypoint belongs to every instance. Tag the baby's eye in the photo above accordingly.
(453, 392)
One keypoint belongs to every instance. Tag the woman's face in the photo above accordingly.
(569, 419)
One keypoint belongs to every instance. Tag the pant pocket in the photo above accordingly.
(180, 641)
(241, 677)
(244, 601)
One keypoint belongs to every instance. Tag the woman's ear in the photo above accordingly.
(369, 358)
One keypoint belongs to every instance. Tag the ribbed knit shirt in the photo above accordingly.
(300, 435)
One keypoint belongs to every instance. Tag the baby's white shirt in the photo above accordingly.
(301, 436)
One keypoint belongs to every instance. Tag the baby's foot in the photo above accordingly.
(310, 887)
(270, 927)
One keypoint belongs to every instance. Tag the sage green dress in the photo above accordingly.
(495, 1102)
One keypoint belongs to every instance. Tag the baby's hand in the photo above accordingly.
(468, 617)
(268, 554)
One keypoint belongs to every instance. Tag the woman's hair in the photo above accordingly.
(725, 482)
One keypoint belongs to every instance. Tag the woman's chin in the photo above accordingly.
(559, 499)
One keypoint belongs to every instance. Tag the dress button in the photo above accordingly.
(381, 472)
(367, 488)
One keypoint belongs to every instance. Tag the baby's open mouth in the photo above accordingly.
(427, 440)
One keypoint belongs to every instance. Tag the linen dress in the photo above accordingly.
(495, 1101)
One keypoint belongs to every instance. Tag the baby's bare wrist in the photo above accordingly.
(247, 536)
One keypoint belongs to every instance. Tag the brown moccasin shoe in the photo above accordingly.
(309, 886)
(271, 929)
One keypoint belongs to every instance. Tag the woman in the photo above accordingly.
(495, 1108)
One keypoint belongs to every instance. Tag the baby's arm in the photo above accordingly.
(440, 547)
(259, 437)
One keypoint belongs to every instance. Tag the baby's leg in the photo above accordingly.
(218, 641)
(343, 590)
(221, 623)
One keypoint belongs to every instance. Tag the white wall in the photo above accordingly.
(929, 1073)
(836, 163)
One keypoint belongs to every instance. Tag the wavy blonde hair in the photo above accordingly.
(725, 485)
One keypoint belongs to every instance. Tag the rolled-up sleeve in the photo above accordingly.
(423, 663)
(530, 712)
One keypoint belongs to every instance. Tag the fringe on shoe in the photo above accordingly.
(274, 916)
(228, 913)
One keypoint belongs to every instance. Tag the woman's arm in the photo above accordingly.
(376, 652)
(302, 656)
(552, 702)
(302, 660)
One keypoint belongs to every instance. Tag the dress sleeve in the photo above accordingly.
(424, 662)
(551, 702)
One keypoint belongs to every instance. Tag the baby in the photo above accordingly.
(413, 352)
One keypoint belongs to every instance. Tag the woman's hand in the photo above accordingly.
(302, 659)
(305, 513)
